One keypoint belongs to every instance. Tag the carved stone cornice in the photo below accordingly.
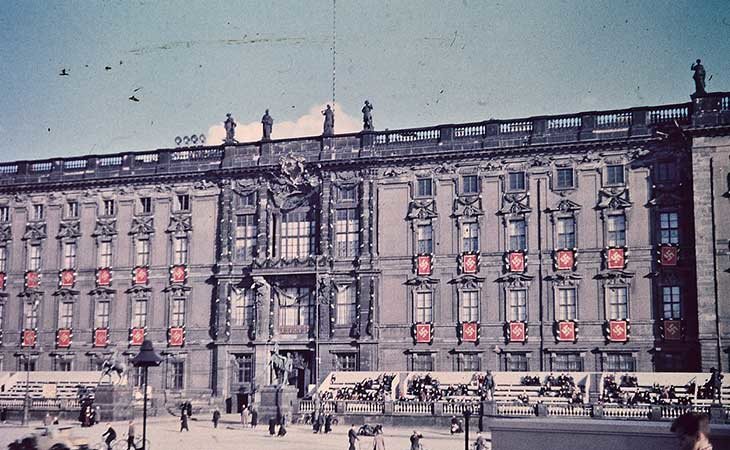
(564, 206)
(515, 203)
(422, 209)
(69, 230)
(515, 279)
(105, 228)
(468, 206)
(180, 223)
(35, 231)
(142, 225)
(613, 198)
(467, 281)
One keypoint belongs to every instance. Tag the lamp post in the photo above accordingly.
(26, 400)
(145, 359)
(467, 415)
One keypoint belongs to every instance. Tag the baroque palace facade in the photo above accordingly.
(595, 241)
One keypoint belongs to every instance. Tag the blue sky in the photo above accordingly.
(420, 63)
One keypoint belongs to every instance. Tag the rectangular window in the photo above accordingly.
(517, 362)
(346, 194)
(345, 306)
(517, 305)
(3, 259)
(422, 362)
(517, 235)
(567, 362)
(470, 237)
(670, 362)
(244, 368)
(101, 314)
(38, 212)
(665, 172)
(4, 214)
(72, 210)
(424, 307)
(566, 232)
(564, 179)
(145, 205)
(298, 234)
(296, 306)
(109, 207)
(34, 257)
(30, 315)
(619, 362)
(424, 238)
(143, 252)
(139, 313)
(424, 187)
(516, 181)
(669, 228)
(62, 365)
(616, 231)
(246, 200)
(470, 306)
(469, 185)
(24, 365)
(177, 312)
(567, 304)
(137, 375)
(105, 254)
(614, 174)
(468, 362)
(240, 302)
(180, 250)
(65, 314)
(2, 315)
(671, 302)
(346, 362)
(69, 255)
(183, 202)
(347, 233)
(246, 236)
(618, 303)
(178, 375)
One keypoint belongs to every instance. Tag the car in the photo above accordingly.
(50, 438)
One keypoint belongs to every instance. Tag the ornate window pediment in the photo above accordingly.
(180, 223)
(565, 206)
(69, 230)
(35, 231)
(615, 277)
(5, 232)
(515, 203)
(468, 282)
(102, 293)
(105, 228)
(666, 197)
(564, 279)
(66, 295)
(613, 199)
(515, 280)
(142, 225)
(468, 207)
(422, 282)
(422, 209)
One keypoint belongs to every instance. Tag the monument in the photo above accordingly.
(278, 399)
(114, 399)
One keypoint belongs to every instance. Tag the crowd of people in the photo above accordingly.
(369, 389)
(628, 392)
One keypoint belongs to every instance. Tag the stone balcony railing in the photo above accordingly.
(713, 110)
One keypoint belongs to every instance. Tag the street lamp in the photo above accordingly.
(145, 359)
(467, 415)
(26, 400)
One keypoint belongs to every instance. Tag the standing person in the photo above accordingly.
(216, 417)
(130, 436)
(254, 416)
(416, 440)
(693, 431)
(320, 422)
(272, 426)
(245, 417)
(378, 440)
(328, 424)
(3, 414)
(480, 443)
(282, 426)
(109, 436)
(489, 385)
(315, 421)
(47, 419)
(352, 437)
(184, 422)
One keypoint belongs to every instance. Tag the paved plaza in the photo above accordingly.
(163, 434)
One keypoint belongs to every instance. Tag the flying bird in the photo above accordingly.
(63, 73)
(137, 89)
(107, 68)
(133, 98)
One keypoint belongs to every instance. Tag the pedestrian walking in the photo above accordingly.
(109, 436)
(184, 422)
(254, 416)
(130, 436)
(3, 414)
(328, 424)
(352, 437)
(216, 417)
(282, 427)
(272, 426)
(378, 440)
(416, 440)
(245, 418)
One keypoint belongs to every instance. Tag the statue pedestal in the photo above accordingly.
(114, 402)
(277, 401)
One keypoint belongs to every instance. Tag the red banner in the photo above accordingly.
(564, 259)
(516, 262)
(136, 336)
(29, 337)
(672, 330)
(176, 336)
(2, 281)
(668, 255)
(423, 333)
(32, 280)
(616, 259)
(469, 331)
(469, 263)
(67, 278)
(618, 331)
(566, 331)
(423, 265)
(517, 332)
(63, 338)
(101, 337)
(178, 274)
(104, 277)
(140, 275)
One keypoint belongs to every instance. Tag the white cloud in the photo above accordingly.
(309, 124)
